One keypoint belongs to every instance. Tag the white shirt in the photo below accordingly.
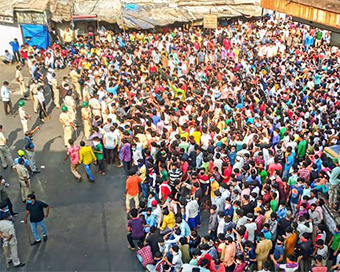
(41, 97)
(5, 92)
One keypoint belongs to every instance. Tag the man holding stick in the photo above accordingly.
(7, 233)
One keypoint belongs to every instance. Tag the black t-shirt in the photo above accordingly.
(36, 211)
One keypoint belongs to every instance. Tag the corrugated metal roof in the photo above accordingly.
(328, 5)
(6, 7)
(32, 5)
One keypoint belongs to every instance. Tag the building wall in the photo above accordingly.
(8, 33)
(302, 11)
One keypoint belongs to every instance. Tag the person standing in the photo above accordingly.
(35, 210)
(34, 94)
(15, 49)
(24, 179)
(86, 117)
(4, 198)
(70, 103)
(67, 125)
(29, 147)
(262, 250)
(20, 79)
(24, 117)
(86, 157)
(7, 233)
(126, 155)
(5, 95)
(334, 184)
(110, 143)
(75, 76)
(5, 154)
(135, 229)
(55, 91)
(132, 189)
(73, 153)
(99, 153)
(42, 105)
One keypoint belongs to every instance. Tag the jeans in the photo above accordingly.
(34, 226)
(127, 166)
(130, 240)
(144, 187)
(88, 171)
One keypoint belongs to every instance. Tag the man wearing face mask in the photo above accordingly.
(35, 209)
(7, 233)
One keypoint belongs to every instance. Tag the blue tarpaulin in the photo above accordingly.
(36, 35)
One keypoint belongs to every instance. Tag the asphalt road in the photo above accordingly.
(87, 223)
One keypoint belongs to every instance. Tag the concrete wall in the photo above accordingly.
(8, 33)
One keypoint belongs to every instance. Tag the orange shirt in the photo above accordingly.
(132, 188)
(290, 244)
(229, 254)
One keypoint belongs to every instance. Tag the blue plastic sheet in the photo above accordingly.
(36, 35)
(131, 6)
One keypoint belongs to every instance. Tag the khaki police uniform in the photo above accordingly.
(64, 118)
(23, 119)
(86, 117)
(75, 81)
(95, 107)
(55, 91)
(71, 107)
(19, 77)
(22, 175)
(7, 230)
(5, 154)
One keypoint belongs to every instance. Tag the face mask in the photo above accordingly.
(301, 209)
(211, 180)
(29, 201)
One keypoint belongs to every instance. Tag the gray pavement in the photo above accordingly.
(87, 223)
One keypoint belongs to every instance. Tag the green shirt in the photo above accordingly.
(263, 175)
(205, 165)
(164, 175)
(282, 132)
(273, 205)
(336, 241)
(292, 180)
(99, 156)
(302, 147)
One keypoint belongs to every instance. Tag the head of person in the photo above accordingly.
(31, 199)
(134, 213)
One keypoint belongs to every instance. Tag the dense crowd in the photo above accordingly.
(229, 126)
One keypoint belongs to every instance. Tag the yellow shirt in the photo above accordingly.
(168, 221)
(197, 137)
(86, 155)
(214, 187)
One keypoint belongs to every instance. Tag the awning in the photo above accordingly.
(84, 17)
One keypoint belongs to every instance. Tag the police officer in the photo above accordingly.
(70, 103)
(68, 125)
(86, 117)
(20, 79)
(29, 147)
(7, 233)
(24, 179)
(34, 94)
(24, 117)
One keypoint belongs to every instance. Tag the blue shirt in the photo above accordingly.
(155, 119)
(185, 229)
(113, 90)
(28, 143)
(150, 220)
(278, 252)
(15, 46)
(26, 162)
(290, 162)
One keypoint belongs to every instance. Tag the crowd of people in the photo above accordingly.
(221, 137)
